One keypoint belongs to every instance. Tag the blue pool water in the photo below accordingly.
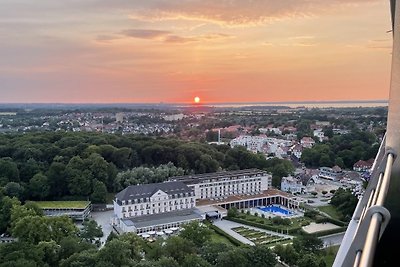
(276, 209)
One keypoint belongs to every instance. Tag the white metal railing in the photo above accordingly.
(370, 217)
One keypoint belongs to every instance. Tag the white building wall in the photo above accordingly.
(160, 202)
(226, 187)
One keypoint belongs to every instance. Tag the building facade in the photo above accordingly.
(223, 184)
(330, 173)
(156, 206)
(292, 185)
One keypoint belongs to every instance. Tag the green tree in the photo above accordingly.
(234, 257)
(211, 250)
(196, 233)
(307, 243)
(345, 202)
(6, 205)
(308, 260)
(87, 258)
(9, 170)
(39, 186)
(13, 189)
(167, 262)
(232, 212)
(195, 261)
(90, 230)
(99, 194)
(116, 253)
(260, 256)
(178, 248)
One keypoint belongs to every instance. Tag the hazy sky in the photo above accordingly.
(170, 51)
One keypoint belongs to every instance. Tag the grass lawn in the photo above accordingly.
(330, 255)
(62, 204)
(331, 211)
(219, 238)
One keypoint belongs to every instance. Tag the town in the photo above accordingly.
(252, 176)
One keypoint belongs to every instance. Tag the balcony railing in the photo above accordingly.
(371, 216)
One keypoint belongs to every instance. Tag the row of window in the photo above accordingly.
(148, 199)
(231, 182)
(224, 187)
(232, 178)
(159, 204)
(156, 210)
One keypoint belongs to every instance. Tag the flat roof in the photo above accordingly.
(188, 179)
(236, 198)
(62, 204)
(163, 218)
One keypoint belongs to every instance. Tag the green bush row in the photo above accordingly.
(263, 226)
(330, 220)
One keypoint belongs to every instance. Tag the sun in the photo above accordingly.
(197, 100)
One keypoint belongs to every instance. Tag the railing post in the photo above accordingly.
(386, 252)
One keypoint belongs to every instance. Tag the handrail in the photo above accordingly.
(372, 237)
(370, 217)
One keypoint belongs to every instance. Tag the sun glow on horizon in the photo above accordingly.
(197, 100)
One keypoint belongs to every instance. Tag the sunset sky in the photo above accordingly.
(81, 51)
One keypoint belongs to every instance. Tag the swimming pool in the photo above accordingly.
(276, 209)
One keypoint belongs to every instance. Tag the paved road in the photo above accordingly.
(332, 240)
(103, 218)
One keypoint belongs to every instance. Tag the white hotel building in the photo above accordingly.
(160, 206)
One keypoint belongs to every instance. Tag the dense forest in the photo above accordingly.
(342, 150)
(66, 165)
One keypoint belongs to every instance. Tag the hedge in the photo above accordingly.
(331, 220)
(262, 226)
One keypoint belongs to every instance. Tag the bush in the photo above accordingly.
(263, 216)
(256, 214)
(291, 231)
(311, 214)
(233, 212)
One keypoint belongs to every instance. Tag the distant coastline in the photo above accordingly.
(281, 104)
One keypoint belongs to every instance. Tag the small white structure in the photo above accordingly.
(319, 133)
(292, 185)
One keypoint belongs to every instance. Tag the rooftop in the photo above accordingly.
(62, 204)
(235, 198)
(163, 218)
(147, 190)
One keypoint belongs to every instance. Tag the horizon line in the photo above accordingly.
(199, 104)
